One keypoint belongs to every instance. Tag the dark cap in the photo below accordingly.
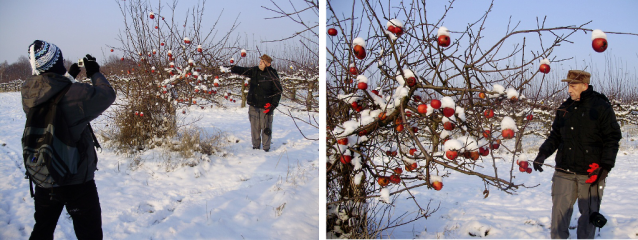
(577, 76)
(266, 58)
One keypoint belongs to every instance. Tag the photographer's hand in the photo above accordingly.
(91, 65)
(74, 70)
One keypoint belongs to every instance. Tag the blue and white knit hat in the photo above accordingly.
(46, 57)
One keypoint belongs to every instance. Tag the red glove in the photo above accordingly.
(267, 107)
(593, 171)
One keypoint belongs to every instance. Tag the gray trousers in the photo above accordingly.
(566, 189)
(259, 121)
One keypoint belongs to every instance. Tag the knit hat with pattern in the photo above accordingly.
(46, 57)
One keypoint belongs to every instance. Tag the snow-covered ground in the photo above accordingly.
(240, 193)
(464, 213)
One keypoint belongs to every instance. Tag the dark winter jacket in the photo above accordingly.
(264, 86)
(81, 104)
(584, 132)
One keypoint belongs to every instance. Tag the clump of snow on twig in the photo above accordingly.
(443, 31)
(362, 79)
(511, 92)
(448, 102)
(597, 33)
(359, 41)
(452, 144)
(385, 195)
(508, 123)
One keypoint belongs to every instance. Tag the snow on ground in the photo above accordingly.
(238, 194)
(464, 213)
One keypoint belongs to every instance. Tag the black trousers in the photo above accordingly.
(82, 203)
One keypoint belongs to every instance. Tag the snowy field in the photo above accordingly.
(240, 193)
(464, 213)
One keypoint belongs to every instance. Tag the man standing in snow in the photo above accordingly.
(264, 93)
(82, 103)
(586, 134)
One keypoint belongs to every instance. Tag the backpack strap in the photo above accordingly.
(96, 143)
(61, 94)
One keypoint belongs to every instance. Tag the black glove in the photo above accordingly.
(267, 131)
(538, 162)
(74, 70)
(91, 65)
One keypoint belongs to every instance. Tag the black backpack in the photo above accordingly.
(50, 156)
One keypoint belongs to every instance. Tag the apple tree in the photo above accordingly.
(411, 102)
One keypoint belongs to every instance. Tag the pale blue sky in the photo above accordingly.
(609, 16)
(79, 27)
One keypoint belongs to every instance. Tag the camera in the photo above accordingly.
(597, 219)
(81, 62)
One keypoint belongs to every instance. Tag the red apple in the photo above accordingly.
(487, 133)
(343, 141)
(398, 31)
(391, 29)
(375, 92)
(398, 170)
(363, 132)
(423, 108)
(232, 61)
(359, 52)
(411, 81)
(161, 44)
(436, 104)
(111, 50)
(544, 68)
(216, 84)
(151, 15)
(448, 112)
(508, 133)
(496, 144)
(399, 128)
(184, 111)
(412, 151)
(354, 105)
(332, 32)
(451, 154)
(411, 167)
(187, 40)
(522, 169)
(137, 113)
(382, 116)
(474, 155)
(529, 170)
(482, 95)
(444, 41)
(142, 114)
(523, 164)
(383, 181)
(437, 185)
(484, 151)
(243, 54)
(345, 159)
(530, 117)
(489, 113)
(353, 71)
(121, 59)
(395, 179)
(415, 129)
(362, 86)
(599, 44)
(416, 98)
(449, 126)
